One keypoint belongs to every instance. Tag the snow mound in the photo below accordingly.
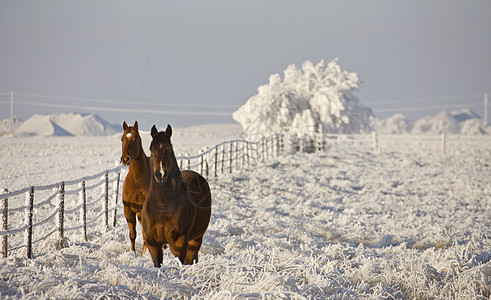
(85, 125)
(41, 125)
(464, 122)
(71, 124)
(308, 98)
(443, 122)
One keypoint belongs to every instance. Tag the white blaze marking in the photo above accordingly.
(128, 135)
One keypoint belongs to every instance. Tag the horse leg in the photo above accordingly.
(179, 247)
(138, 214)
(192, 251)
(131, 219)
(156, 252)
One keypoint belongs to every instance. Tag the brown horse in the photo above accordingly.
(137, 181)
(177, 209)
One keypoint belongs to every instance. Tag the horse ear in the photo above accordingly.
(168, 131)
(136, 125)
(125, 125)
(154, 131)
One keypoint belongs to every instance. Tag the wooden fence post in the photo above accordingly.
(277, 144)
(231, 154)
(282, 142)
(271, 147)
(61, 213)
(375, 142)
(223, 157)
(444, 143)
(263, 152)
(258, 145)
(5, 244)
(216, 161)
(189, 162)
(243, 154)
(116, 199)
(84, 210)
(28, 232)
(248, 155)
(237, 155)
(201, 163)
(106, 201)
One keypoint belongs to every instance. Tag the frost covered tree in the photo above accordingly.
(315, 95)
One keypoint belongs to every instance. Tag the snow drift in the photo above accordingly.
(41, 125)
(66, 124)
(308, 98)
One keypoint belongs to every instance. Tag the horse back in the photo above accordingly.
(200, 195)
(199, 190)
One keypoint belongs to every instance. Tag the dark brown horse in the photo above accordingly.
(177, 209)
(137, 181)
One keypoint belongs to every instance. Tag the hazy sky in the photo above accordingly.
(192, 62)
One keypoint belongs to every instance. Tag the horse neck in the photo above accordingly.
(140, 164)
(175, 172)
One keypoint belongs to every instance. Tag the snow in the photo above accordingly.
(85, 124)
(41, 125)
(65, 124)
(460, 122)
(323, 97)
(345, 223)
(314, 96)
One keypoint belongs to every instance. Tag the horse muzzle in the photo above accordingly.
(160, 175)
(126, 160)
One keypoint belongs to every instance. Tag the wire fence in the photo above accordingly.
(51, 212)
(230, 155)
(236, 154)
(443, 143)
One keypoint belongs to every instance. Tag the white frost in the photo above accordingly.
(346, 223)
(315, 95)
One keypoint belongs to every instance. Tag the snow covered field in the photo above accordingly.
(344, 223)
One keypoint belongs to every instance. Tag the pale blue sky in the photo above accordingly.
(206, 58)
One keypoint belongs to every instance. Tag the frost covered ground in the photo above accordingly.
(344, 223)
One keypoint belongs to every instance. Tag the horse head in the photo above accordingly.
(162, 159)
(131, 143)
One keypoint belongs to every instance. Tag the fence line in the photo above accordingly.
(222, 158)
(229, 155)
(60, 213)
